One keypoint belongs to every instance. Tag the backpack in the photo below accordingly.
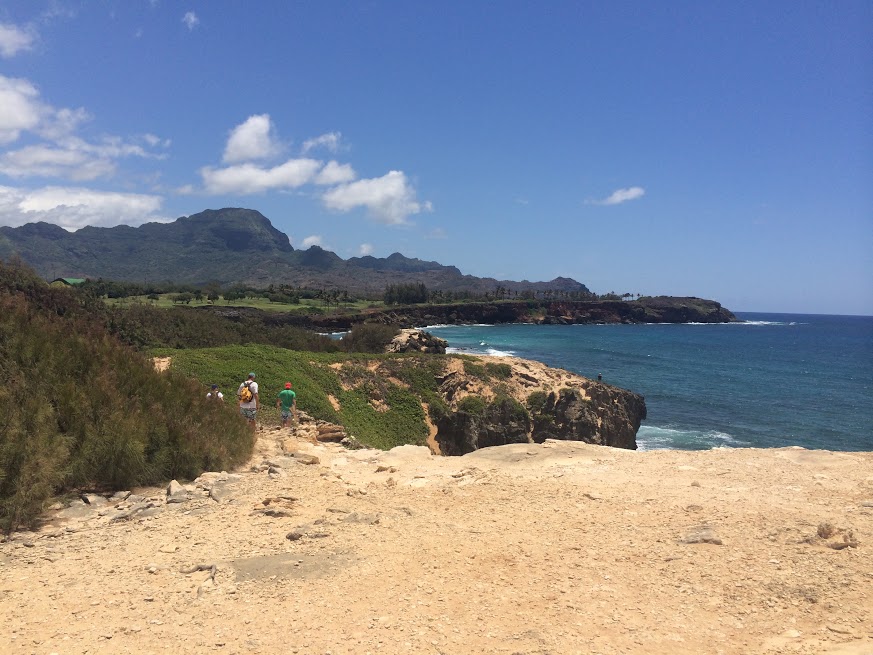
(245, 394)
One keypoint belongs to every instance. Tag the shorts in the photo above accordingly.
(249, 413)
(286, 414)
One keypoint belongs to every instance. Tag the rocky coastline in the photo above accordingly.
(661, 309)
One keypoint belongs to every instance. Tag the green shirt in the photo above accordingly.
(286, 397)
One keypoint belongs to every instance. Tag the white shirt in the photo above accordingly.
(217, 393)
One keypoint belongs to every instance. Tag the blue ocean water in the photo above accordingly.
(773, 380)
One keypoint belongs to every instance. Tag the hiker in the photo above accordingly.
(249, 402)
(287, 402)
(214, 393)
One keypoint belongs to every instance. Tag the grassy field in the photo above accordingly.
(314, 379)
(306, 306)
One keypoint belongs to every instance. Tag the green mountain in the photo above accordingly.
(229, 246)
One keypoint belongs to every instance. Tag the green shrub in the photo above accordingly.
(499, 371)
(476, 371)
(472, 405)
(369, 338)
(515, 409)
(78, 408)
(536, 401)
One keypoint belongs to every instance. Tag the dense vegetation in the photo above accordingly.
(78, 408)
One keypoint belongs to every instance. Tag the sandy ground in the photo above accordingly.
(553, 548)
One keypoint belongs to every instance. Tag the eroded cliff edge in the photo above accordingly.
(557, 404)
(475, 402)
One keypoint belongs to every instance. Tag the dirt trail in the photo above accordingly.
(553, 548)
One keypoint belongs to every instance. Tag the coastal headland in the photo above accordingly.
(559, 547)
(661, 309)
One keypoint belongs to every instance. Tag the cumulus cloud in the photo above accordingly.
(334, 173)
(329, 141)
(74, 207)
(622, 195)
(253, 139)
(389, 199)
(191, 21)
(314, 240)
(365, 249)
(14, 39)
(250, 178)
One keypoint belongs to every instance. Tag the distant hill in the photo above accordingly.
(229, 246)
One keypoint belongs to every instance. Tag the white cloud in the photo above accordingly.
(14, 39)
(155, 141)
(389, 199)
(253, 139)
(20, 108)
(46, 161)
(365, 249)
(314, 240)
(330, 141)
(249, 178)
(622, 195)
(191, 21)
(73, 207)
(436, 233)
(334, 173)
(60, 123)
(61, 154)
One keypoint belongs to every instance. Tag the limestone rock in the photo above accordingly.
(176, 493)
(413, 340)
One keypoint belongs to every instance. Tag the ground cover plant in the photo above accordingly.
(314, 376)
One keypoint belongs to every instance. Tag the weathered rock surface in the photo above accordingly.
(387, 552)
(530, 403)
(419, 341)
(593, 413)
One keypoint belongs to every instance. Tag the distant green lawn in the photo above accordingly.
(306, 306)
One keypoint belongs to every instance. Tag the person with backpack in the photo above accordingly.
(249, 402)
(287, 403)
(214, 393)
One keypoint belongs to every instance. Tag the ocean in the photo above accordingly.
(774, 380)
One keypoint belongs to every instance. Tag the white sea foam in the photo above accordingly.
(650, 437)
(493, 352)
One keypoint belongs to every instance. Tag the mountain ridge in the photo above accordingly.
(230, 246)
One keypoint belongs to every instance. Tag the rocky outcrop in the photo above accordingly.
(599, 414)
(492, 401)
(416, 341)
(499, 423)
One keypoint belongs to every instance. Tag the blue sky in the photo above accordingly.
(722, 150)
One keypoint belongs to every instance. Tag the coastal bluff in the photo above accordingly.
(481, 401)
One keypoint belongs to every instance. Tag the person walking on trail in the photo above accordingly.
(214, 393)
(249, 401)
(287, 403)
